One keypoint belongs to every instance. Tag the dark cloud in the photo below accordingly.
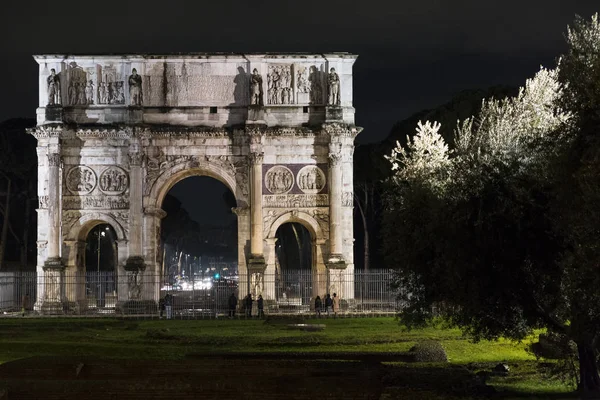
(412, 54)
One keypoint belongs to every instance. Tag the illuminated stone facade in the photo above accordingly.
(115, 133)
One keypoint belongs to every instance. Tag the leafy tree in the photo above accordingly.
(18, 199)
(501, 232)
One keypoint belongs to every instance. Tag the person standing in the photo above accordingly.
(249, 306)
(328, 304)
(260, 304)
(232, 303)
(169, 305)
(336, 304)
(318, 306)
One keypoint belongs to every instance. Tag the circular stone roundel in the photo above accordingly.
(81, 180)
(311, 179)
(279, 179)
(113, 180)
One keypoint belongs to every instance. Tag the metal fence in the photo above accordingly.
(151, 296)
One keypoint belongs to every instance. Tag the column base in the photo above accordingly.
(53, 264)
(135, 263)
(334, 114)
(52, 308)
(132, 307)
(336, 261)
(256, 263)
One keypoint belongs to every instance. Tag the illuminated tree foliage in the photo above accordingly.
(501, 233)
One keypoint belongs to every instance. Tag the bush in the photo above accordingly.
(554, 346)
(429, 351)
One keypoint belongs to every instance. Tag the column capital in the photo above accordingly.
(135, 158)
(54, 159)
(256, 157)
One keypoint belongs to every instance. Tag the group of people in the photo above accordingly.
(247, 305)
(332, 305)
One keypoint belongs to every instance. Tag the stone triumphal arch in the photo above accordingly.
(115, 133)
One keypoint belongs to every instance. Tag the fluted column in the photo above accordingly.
(336, 258)
(135, 260)
(256, 244)
(53, 254)
(53, 279)
(257, 258)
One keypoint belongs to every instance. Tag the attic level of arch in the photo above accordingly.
(216, 91)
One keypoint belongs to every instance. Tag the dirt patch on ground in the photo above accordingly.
(92, 378)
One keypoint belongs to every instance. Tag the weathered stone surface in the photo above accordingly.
(115, 133)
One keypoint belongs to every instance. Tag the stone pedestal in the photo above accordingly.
(53, 283)
(54, 113)
(256, 115)
(334, 114)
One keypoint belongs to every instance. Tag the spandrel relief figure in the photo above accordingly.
(334, 88)
(135, 88)
(53, 88)
(256, 91)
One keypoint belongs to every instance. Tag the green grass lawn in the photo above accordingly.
(174, 339)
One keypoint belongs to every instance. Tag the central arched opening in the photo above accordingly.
(101, 267)
(199, 263)
(294, 257)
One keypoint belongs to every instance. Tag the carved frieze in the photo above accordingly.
(295, 200)
(81, 86)
(113, 180)
(311, 179)
(279, 179)
(309, 84)
(279, 84)
(81, 180)
(110, 86)
(347, 199)
(95, 202)
(43, 201)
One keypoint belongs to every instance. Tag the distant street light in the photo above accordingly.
(100, 235)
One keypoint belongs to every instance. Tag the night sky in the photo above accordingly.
(412, 54)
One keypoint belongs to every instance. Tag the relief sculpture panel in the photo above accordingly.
(311, 179)
(279, 85)
(279, 179)
(81, 180)
(113, 180)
